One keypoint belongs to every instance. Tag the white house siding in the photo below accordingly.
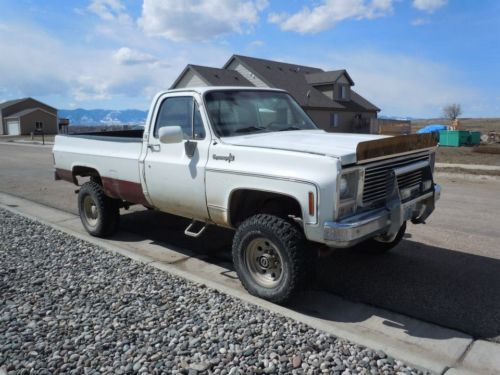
(236, 65)
(190, 79)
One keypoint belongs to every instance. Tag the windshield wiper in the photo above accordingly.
(250, 129)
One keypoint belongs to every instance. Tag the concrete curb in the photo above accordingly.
(430, 347)
(464, 176)
(469, 166)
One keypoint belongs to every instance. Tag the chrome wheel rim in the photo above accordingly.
(264, 262)
(90, 211)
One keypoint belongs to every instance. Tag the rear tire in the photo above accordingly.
(374, 246)
(271, 257)
(100, 214)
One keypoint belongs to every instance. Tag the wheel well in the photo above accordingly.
(86, 172)
(247, 202)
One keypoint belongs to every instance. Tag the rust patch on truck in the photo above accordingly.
(63, 174)
(124, 190)
(379, 148)
(114, 188)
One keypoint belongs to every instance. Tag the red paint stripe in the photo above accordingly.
(119, 189)
(125, 190)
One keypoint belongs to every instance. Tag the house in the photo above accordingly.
(327, 96)
(24, 116)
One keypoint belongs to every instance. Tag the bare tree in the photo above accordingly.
(452, 111)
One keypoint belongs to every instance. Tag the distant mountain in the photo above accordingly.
(386, 117)
(81, 116)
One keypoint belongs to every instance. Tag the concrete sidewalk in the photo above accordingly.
(416, 342)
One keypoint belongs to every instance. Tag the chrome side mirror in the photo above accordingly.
(170, 134)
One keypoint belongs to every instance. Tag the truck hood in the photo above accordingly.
(339, 145)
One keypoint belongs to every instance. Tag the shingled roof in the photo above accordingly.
(216, 76)
(332, 76)
(8, 103)
(299, 81)
(24, 113)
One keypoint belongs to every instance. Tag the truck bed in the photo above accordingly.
(114, 155)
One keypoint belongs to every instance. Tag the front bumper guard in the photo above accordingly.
(384, 222)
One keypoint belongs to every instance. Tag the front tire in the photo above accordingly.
(271, 258)
(100, 214)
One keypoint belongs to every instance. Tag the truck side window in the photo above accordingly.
(176, 111)
(181, 111)
(199, 130)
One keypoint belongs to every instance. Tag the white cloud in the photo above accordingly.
(420, 21)
(107, 9)
(256, 43)
(402, 85)
(195, 20)
(330, 12)
(87, 75)
(127, 56)
(429, 5)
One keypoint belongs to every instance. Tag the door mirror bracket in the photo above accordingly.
(190, 148)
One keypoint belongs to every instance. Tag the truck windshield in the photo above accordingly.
(237, 112)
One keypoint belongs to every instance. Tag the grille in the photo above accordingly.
(376, 177)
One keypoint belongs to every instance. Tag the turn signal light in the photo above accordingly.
(311, 203)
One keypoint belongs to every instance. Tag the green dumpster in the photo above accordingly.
(475, 138)
(453, 138)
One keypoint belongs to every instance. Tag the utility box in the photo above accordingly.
(457, 138)
(453, 138)
(475, 138)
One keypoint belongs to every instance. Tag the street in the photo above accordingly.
(445, 272)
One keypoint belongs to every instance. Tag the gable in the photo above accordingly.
(343, 80)
(23, 104)
(190, 79)
(240, 68)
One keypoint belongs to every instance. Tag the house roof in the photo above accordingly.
(8, 103)
(296, 80)
(22, 113)
(15, 101)
(321, 78)
(216, 76)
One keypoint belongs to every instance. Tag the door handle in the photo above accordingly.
(154, 148)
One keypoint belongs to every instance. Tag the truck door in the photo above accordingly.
(175, 172)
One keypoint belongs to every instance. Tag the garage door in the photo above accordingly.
(13, 127)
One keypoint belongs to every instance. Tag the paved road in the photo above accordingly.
(446, 272)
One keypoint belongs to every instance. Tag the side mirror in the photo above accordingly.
(170, 134)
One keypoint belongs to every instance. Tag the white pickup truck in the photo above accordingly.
(252, 160)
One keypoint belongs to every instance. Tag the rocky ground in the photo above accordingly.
(67, 306)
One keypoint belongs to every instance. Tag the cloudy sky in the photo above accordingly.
(409, 57)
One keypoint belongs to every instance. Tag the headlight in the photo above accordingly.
(343, 188)
(348, 185)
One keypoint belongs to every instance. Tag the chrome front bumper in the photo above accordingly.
(384, 221)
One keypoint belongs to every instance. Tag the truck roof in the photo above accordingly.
(202, 90)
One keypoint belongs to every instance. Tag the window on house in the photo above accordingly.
(334, 120)
(343, 92)
(38, 125)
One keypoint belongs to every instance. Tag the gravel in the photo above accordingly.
(67, 306)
